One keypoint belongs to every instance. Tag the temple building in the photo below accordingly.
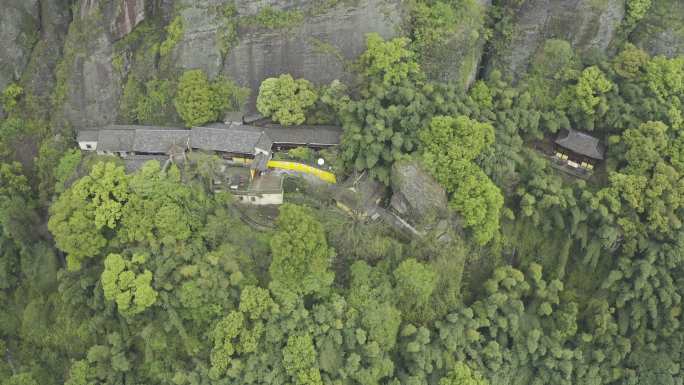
(578, 151)
(245, 149)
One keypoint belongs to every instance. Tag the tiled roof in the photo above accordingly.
(88, 136)
(581, 143)
(159, 141)
(293, 135)
(116, 140)
(225, 140)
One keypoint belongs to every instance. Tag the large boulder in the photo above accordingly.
(587, 24)
(661, 32)
(416, 194)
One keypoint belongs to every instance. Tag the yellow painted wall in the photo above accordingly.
(299, 167)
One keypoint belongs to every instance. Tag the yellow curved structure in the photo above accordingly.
(300, 167)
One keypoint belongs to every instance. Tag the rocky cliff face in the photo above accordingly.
(661, 32)
(19, 26)
(318, 45)
(317, 49)
(586, 24)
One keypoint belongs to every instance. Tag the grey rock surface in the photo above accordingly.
(38, 79)
(460, 59)
(661, 32)
(19, 31)
(127, 15)
(586, 24)
(199, 46)
(418, 190)
(93, 86)
(316, 50)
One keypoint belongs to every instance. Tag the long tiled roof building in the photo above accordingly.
(229, 140)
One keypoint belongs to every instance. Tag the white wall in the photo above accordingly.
(84, 146)
(262, 199)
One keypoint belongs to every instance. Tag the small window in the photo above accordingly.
(253, 199)
(89, 147)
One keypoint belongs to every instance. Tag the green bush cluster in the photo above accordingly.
(272, 18)
(286, 100)
(174, 34)
(199, 101)
(10, 96)
(148, 103)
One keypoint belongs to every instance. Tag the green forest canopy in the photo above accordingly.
(150, 278)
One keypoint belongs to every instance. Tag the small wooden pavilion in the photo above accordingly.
(578, 150)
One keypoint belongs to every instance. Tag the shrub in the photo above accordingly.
(199, 101)
(174, 33)
(194, 99)
(9, 96)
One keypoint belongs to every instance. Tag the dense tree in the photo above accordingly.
(83, 212)
(130, 290)
(415, 284)
(199, 101)
(286, 100)
(382, 125)
(164, 283)
(449, 146)
(301, 256)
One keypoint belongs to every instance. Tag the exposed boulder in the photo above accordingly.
(416, 194)
(586, 24)
(661, 32)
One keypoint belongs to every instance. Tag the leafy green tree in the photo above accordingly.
(299, 357)
(199, 101)
(592, 84)
(285, 99)
(177, 208)
(636, 10)
(194, 98)
(380, 127)
(68, 164)
(461, 374)
(415, 283)
(155, 105)
(228, 96)
(131, 291)
(80, 216)
(449, 145)
(630, 62)
(301, 256)
(479, 201)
